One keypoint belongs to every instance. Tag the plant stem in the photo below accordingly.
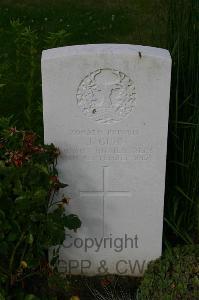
(14, 252)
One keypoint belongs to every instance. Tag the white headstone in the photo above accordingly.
(106, 108)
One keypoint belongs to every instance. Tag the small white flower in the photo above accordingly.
(113, 17)
(45, 19)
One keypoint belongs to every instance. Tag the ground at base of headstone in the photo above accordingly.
(174, 276)
(103, 287)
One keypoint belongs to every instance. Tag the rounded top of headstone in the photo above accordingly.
(105, 48)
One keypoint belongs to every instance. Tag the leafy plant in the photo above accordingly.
(30, 220)
(175, 276)
(56, 39)
(26, 57)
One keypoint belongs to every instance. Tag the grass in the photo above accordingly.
(182, 197)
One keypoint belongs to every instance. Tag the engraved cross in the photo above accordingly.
(105, 193)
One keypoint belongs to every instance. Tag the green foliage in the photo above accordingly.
(175, 276)
(30, 220)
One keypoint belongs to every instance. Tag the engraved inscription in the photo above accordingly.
(106, 96)
(105, 145)
(109, 132)
(111, 153)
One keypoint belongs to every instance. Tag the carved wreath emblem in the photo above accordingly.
(106, 95)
